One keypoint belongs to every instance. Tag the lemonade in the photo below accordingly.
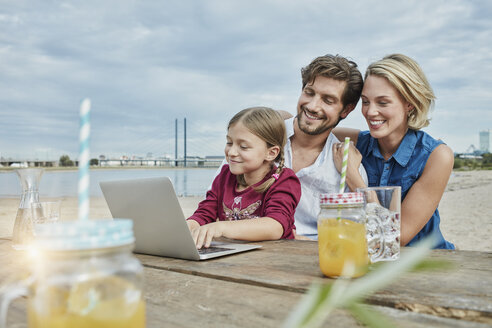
(342, 241)
(115, 318)
(97, 303)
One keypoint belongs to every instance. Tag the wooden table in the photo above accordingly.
(261, 287)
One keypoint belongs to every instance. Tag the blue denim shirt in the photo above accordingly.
(402, 169)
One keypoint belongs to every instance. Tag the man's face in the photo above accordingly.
(320, 108)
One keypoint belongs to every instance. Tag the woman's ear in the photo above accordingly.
(409, 108)
(272, 153)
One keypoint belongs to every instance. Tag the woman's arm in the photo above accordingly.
(264, 228)
(423, 197)
(341, 133)
(353, 179)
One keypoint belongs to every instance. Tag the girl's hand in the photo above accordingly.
(192, 224)
(203, 235)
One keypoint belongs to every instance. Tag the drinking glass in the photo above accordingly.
(45, 212)
(383, 212)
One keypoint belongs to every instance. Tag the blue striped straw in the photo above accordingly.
(85, 131)
(344, 164)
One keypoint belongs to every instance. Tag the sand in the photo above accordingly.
(465, 208)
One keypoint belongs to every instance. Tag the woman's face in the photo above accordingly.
(385, 110)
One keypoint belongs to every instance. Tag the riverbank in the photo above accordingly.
(465, 210)
(126, 167)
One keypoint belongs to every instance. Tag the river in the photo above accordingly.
(187, 182)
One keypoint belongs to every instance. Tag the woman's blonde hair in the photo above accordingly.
(269, 126)
(406, 76)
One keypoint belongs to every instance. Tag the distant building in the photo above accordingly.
(484, 141)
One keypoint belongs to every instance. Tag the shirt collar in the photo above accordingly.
(403, 153)
(289, 127)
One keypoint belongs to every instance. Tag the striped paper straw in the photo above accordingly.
(344, 164)
(85, 131)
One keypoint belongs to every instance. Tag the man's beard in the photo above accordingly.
(319, 130)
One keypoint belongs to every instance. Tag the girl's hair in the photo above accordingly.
(269, 126)
(406, 76)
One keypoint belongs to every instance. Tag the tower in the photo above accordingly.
(484, 140)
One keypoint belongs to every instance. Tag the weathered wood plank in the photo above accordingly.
(181, 300)
(464, 291)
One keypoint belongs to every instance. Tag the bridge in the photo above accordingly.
(213, 161)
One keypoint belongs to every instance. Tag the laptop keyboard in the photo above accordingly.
(213, 249)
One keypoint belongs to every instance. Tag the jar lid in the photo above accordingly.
(83, 235)
(341, 198)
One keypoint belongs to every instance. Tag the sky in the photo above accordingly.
(144, 64)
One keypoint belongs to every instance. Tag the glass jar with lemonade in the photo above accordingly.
(342, 241)
(84, 274)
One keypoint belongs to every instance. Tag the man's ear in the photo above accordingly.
(272, 153)
(347, 110)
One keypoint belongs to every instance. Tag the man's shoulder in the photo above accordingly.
(289, 126)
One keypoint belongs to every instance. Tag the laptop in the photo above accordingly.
(158, 222)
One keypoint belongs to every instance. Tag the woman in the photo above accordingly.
(396, 99)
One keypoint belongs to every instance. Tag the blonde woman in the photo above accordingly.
(251, 198)
(396, 99)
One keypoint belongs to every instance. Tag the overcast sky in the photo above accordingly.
(144, 64)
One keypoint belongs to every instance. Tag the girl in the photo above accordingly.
(251, 198)
(396, 99)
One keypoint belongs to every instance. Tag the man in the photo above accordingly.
(331, 88)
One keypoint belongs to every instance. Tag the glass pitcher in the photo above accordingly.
(83, 274)
(23, 228)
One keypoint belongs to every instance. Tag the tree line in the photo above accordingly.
(66, 161)
(484, 163)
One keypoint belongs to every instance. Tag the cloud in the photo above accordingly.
(145, 64)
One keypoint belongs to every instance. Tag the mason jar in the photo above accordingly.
(342, 241)
(83, 274)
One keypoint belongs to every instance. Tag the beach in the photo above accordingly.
(465, 209)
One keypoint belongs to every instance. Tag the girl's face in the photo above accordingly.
(247, 153)
(384, 109)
